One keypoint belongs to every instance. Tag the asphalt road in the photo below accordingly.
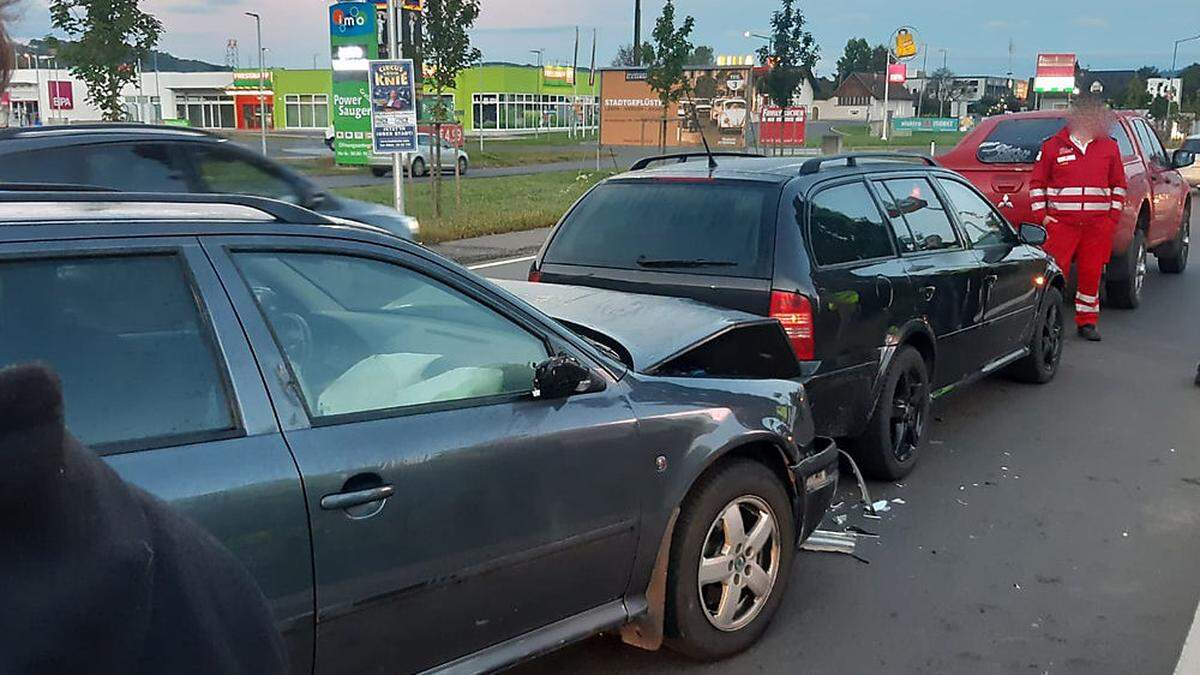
(1048, 529)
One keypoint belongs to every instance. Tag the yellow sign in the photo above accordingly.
(413, 5)
(559, 73)
(906, 46)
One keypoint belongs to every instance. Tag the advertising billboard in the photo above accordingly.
(946, 124)
(783, 126)
(897, 73)
(717, 105)
(1055, 73)
(62, 97)
(393, 106)
(353, 42)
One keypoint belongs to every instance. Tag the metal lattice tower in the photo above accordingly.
(232, 59)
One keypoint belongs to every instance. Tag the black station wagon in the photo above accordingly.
(895, 280)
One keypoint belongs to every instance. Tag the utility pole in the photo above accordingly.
(887, 87)
(262, 84)
(393, 16)
(941, 83)
(541, 110)
(157, 87)
(924, 76)
(637, 32)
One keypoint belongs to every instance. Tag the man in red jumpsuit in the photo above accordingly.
(1078, 186)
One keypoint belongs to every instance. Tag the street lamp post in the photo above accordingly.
(941, 83)
(637, 32)
(1174, 59)
(262, 83)
(541, 110)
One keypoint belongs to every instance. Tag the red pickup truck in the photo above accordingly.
(998, 157)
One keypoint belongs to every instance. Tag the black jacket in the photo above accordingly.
(98, 576)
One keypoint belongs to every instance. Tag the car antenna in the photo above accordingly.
(712, 161)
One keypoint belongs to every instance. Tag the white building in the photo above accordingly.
(47, 96)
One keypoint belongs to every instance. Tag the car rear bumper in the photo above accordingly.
(816, 480)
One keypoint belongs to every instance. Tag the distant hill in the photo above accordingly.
(166, 62)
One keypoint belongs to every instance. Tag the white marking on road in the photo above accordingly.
(1189, 658)
(501, 263)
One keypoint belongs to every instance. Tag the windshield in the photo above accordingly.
(720, 228)
(1018, 141)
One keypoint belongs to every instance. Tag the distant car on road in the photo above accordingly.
(998, 157)
(420, 469)
(142, 158)
(895, 281)
(421, 161)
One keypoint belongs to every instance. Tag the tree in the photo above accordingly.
(446, 50)
(671, 49)
(860, 57)
(942, 81)
(701, 56)
(1147, 72)
(110, 35)
(791, 54)
(1135, 96)
(1190, 91)
(624, 57)
(1158, 108)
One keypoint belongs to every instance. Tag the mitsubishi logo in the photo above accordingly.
(1005, 201)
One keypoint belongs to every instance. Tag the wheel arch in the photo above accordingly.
(916, 334)
(647, 630)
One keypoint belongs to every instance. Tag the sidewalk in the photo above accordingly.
(492, 246)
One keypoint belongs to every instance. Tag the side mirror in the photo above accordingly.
(1182, 158)
(1032, 234)
(559, 377)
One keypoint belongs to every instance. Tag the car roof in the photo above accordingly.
(19, 139)
(777, 169)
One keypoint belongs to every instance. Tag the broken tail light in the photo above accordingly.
(794, 311)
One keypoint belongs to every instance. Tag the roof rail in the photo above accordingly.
(105, 127)
(82, 205)
(851, 159)
(682, 157)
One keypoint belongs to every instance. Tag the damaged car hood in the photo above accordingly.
(668, 336)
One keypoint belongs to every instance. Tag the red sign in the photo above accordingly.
(897, 73)
(783, 126)
(1055, 65)
(451, 133)
(4, 100)
(61, 95)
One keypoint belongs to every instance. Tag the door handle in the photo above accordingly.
(883, 290)
(928, 292)
(344, 500)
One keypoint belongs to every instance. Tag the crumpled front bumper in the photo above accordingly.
(816, 478)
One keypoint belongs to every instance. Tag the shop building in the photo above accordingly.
(504, 98)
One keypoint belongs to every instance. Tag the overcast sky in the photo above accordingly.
(1105, 33)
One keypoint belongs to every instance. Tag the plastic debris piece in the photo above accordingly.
(861, 532)
(872, 516)
(1004, 468)
(862, 484)
(962, 487)
(898, 500)
(961, 502)
(840, 520)
(835, 507)
(1124, 534)
(881, 506)
(1017, 586)
(824, 541)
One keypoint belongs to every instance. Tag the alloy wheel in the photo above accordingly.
(1052, 337)
(908, 414)
(1139, 271)
(1185, 242)
(739, 563)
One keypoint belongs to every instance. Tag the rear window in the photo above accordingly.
(722, 228)
(1018, 141)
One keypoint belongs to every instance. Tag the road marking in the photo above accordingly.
(500, 263)
(1189, 658)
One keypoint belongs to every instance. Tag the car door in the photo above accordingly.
(1167, 188)
(159, 380)
(451, 509)
(946, 275)
(1009, 269)
(862, 289)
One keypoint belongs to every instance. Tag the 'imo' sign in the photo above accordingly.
(347, 21)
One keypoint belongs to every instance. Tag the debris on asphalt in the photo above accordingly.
(961, 502)
(1017, 586)
(898, 500)
(1124, 534)
(881, 506)
(861, 532)
(840, 520)
(862, 484)
(825, 541)
(1004, 468)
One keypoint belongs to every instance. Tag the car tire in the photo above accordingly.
(890, 446)
(418, 168)
(1125, 290)
(462, 166)
(378, 171)
(740, 491)
(1045, 347)
(1173, 258)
